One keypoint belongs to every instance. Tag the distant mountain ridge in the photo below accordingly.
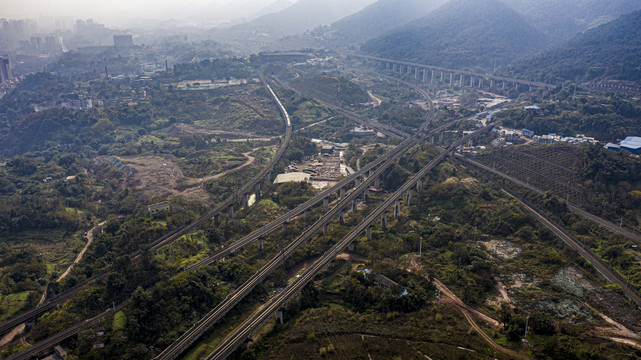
(301, 16)
(562, 19)
(462, 34)
(611, 51)
(377, 19)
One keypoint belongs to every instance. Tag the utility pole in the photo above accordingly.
(420, 247)
(527, 320)
(438, 295)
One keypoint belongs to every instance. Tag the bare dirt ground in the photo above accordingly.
(157, 175)
(502, 249)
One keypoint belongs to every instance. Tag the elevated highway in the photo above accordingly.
(429, 73)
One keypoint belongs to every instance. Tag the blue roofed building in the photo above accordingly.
(632, 144)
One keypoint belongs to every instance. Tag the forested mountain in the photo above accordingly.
(562, 19)
(462, 33)
(377, 19)
(302, 16)
(610, 51)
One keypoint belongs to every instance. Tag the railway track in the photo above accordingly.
(174, 235)
(241, 333)
(189, 337)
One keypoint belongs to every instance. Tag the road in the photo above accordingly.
(469, 73)
(241, 333)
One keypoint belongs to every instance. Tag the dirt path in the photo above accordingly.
(11, 335)
(316, 123)
(80, 255)
(377, 101)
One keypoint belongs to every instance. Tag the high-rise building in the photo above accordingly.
(123, 41)
(5, 70)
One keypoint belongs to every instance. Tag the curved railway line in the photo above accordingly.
(196, 331)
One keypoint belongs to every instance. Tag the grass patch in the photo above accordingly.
(120, 322)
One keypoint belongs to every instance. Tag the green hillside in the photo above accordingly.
(336, 90)
(377, 19)
(611, 51)
(462, 33)
(562, 19)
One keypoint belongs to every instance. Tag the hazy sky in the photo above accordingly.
(100, 9)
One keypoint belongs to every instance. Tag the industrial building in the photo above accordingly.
(292, 177)
(631, 144)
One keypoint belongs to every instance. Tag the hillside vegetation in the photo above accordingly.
(462, 33)
(377, 19)
(562, 19)
(611, 51)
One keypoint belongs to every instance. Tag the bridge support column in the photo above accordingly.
(491, 83)
(325, 229)
(384, 221)
(440, 137)
(419, 186)
(503, 86)
(267, 179)
(341, 217)
(342, 193)
(368, 233)
(326, 204)
(246, 201)
(442, 76)
(451, 79)
(480, 83)
(409, 197)
(461, 80)
(285, 226)
(432, 140)
(357, 182)
(471, 81)
(365, 194)
(279, 317)
(397, 209)
(231, 212)
(306, 214)
(377, 182)
(432, 80)
(354, 206)
(424, 75)
(530, 88)
(416, 70)
(217, 219)
(350, 247)
(260, 244)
